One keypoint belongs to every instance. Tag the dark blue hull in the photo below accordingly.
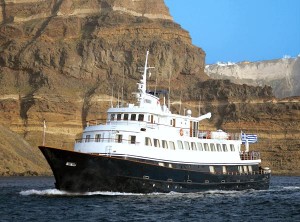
(78, 172)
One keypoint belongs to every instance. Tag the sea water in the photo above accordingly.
(36, 199)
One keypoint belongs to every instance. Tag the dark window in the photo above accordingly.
(87, 138)
(148, 141)
(200, 147)
(212, 147)
(232, 147)
(141, 117)
(126, 116)
(194, 147)
(132, 139)
(206, 147)
(187, 145)
(112, 116)
(180, 145)
(156, 142)
(164, 144)
(119, 116)
(133, 117)
(119, 138)
(172, 145)
(224, 147)
(97, 137)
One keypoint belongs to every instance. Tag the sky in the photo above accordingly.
(240, 30)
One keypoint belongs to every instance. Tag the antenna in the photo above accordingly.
(118, 105)
(169, 103)
(199, 106)
(142, 84)
(122, 98)
(111, 98)
(180, 102)
(155, 85)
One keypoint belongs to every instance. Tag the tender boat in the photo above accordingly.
(144, 148)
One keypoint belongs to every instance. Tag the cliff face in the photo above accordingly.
(62, 52)
(283, 75)
(66, 62)
(18, 157)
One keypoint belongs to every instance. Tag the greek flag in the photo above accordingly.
(251, 138)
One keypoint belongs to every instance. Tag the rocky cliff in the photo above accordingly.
(283, 75)
(66, 61)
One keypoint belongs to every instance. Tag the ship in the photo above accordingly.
(143, 147)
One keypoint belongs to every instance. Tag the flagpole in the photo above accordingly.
(44, 132)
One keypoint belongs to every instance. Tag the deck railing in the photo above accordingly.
(106, 140)
(251, 155)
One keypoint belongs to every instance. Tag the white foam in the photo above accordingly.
(55, 192)
(291, 188)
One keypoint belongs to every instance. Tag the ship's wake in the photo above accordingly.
(55, 192)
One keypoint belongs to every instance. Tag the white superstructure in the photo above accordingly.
(149, 131)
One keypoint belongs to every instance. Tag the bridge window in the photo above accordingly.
(141, 117)
(133, 117)
(156, 142)
(126, 116)
(119, 115)
(97, 137)
(180, 145)
(164, 144)
(172, 145)
(187, 145)
(224, 147)
(112, 116)
(194, 147)
(148, 141)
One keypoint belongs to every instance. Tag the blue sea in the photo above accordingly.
(36, 199)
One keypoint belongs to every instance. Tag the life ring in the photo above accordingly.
(181, 132)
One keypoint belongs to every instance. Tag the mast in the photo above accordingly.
(143, 82)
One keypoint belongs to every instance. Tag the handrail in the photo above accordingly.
(261, 171)
(95, 122)
(227, 136)
(251, 155)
